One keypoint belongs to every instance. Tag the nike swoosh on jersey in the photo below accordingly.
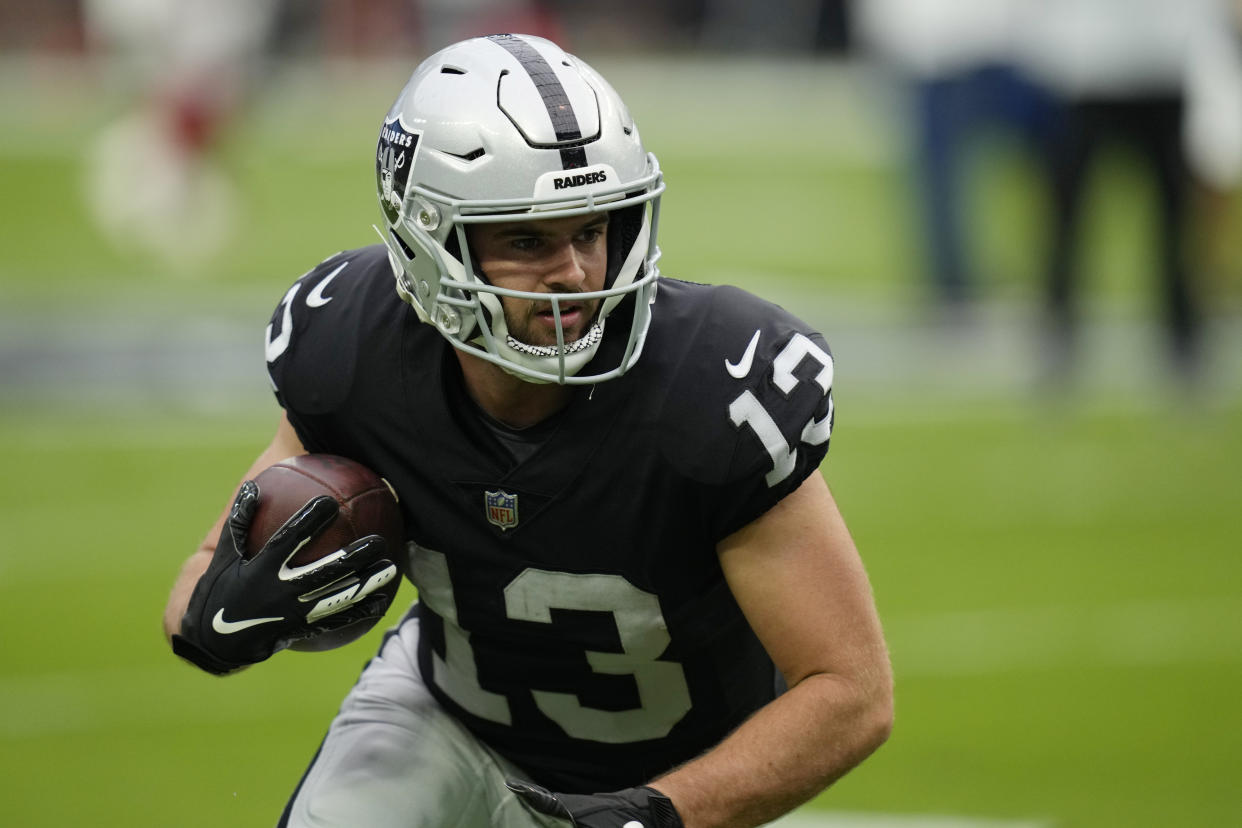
(741, 368)
(289, 573)
(220, 625)
(316, 299)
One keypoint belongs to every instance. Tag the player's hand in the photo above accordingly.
(630, 808)
(244, 609)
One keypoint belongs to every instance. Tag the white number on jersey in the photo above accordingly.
(315, 299)
(664, 695)
(748, 410)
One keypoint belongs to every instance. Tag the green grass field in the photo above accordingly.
(1061, 584)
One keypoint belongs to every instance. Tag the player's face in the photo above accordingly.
(568, 255)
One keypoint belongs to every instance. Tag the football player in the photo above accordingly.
(638, 604)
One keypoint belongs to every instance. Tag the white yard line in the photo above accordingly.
(807, 818)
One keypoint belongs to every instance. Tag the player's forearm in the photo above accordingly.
(284, 444)
(179, 598)
(193, 569)
(783, 755)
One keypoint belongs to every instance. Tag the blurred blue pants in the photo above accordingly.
(950, 113)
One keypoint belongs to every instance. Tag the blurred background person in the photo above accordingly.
(152, 181)
(1156, 77)
(1214, 145)
(960, 82)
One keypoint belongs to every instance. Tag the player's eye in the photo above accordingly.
(525, 243)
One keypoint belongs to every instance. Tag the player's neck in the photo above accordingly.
(508, 399)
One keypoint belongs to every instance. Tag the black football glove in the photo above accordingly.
(646, 807)
(242, 611)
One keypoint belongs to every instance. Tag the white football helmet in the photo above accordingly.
(505, 127)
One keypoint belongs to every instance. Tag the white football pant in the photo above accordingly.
(393, 758)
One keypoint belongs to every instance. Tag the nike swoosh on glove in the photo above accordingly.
(629, 808)
(244, 609)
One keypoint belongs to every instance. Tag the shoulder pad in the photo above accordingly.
(751, 397)
(317, 329)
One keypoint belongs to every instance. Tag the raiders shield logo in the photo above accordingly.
(501, 508)
(393, 159)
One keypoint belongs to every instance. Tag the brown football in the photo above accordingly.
(368, 507)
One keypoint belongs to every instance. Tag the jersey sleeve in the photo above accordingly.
(751, 409)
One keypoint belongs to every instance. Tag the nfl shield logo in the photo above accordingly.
(501, 509)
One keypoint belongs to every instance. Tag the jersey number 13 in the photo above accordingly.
(531, 596)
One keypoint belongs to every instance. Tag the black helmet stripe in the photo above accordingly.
(564, 122)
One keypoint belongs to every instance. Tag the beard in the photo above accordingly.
(533, 323)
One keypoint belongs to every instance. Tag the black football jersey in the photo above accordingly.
(574, 613)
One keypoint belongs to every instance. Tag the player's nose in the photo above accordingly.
(566, 267)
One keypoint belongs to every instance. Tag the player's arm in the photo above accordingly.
(284, 444)
(797, 576)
